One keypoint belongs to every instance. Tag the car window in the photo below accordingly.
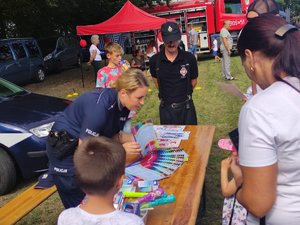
(5, 53)
(32, 48)
(47, 45)
(60, 44)
(19, 50)
(8, 89)
(70, 41)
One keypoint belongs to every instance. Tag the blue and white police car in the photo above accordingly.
(25, 120)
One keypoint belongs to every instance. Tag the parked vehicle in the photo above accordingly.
(61, 53)
(21, 60)
(206, 16)
(25, 121)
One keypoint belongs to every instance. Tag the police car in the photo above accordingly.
(25, 120)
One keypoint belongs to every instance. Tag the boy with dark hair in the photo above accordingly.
(99, 166)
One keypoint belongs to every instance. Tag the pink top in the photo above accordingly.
(107, 74)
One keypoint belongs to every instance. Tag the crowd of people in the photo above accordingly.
(265, 184)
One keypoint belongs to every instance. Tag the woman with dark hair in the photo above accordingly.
(138, 60)
(268, 169)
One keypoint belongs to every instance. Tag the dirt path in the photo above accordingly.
(60, 84)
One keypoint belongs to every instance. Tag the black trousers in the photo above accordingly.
(96, 65)
(183, 115)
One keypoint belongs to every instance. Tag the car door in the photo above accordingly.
(14, 64)
(69, 52)
(35, 56)
(7, 62)
(60, 52)
(73, 50)
(22, 63)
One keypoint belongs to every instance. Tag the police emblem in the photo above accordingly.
(183, 71)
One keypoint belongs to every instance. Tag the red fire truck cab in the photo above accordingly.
(206, 16)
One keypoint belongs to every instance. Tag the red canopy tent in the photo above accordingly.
(129, 19)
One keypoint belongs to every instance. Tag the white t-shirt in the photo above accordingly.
(215, 42)
(98, 56)
(269, 130)
(152, 53)
(77, 216)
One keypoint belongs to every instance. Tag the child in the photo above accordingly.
(114, 68)
(233, 211)
(99, 166)
(215, 49)
(112, 71)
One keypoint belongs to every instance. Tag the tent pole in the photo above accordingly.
(82, 77)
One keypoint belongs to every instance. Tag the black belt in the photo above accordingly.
(176, 105)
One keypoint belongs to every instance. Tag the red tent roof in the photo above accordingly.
(129, 18)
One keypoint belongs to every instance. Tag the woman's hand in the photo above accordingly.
(125, 137)
(132, 147)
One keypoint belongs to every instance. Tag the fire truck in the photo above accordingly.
(206, 16)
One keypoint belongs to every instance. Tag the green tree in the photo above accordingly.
(44, 18)
(291, 6)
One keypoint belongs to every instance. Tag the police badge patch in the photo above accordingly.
(183, 71)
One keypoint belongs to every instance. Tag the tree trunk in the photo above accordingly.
(2, 28)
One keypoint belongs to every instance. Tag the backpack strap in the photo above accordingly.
(232, 211)
(233, 205)
(262, 221)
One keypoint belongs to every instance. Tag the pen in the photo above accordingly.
(134, 194)
(146, 209)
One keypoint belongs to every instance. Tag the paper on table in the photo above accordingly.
(231, 89)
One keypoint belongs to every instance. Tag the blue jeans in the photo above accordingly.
(193, 49)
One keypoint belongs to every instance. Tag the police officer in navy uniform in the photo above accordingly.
(174, 72)
(101, 112)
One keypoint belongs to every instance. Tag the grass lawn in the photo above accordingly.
(214, 107)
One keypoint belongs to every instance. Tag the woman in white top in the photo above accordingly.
(269, 126)
(151, 49)
(95, 57)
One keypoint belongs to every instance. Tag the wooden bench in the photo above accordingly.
(22, 204)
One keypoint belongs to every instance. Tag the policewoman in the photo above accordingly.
(101, 112)
(174, 72)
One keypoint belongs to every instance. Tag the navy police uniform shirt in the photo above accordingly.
(95, 113)
(173, 75)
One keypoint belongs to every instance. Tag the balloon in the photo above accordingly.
(82, 43)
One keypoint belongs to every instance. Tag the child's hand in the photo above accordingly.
(226, 162)
(236, 171)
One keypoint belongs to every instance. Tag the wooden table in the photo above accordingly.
(187, 182)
